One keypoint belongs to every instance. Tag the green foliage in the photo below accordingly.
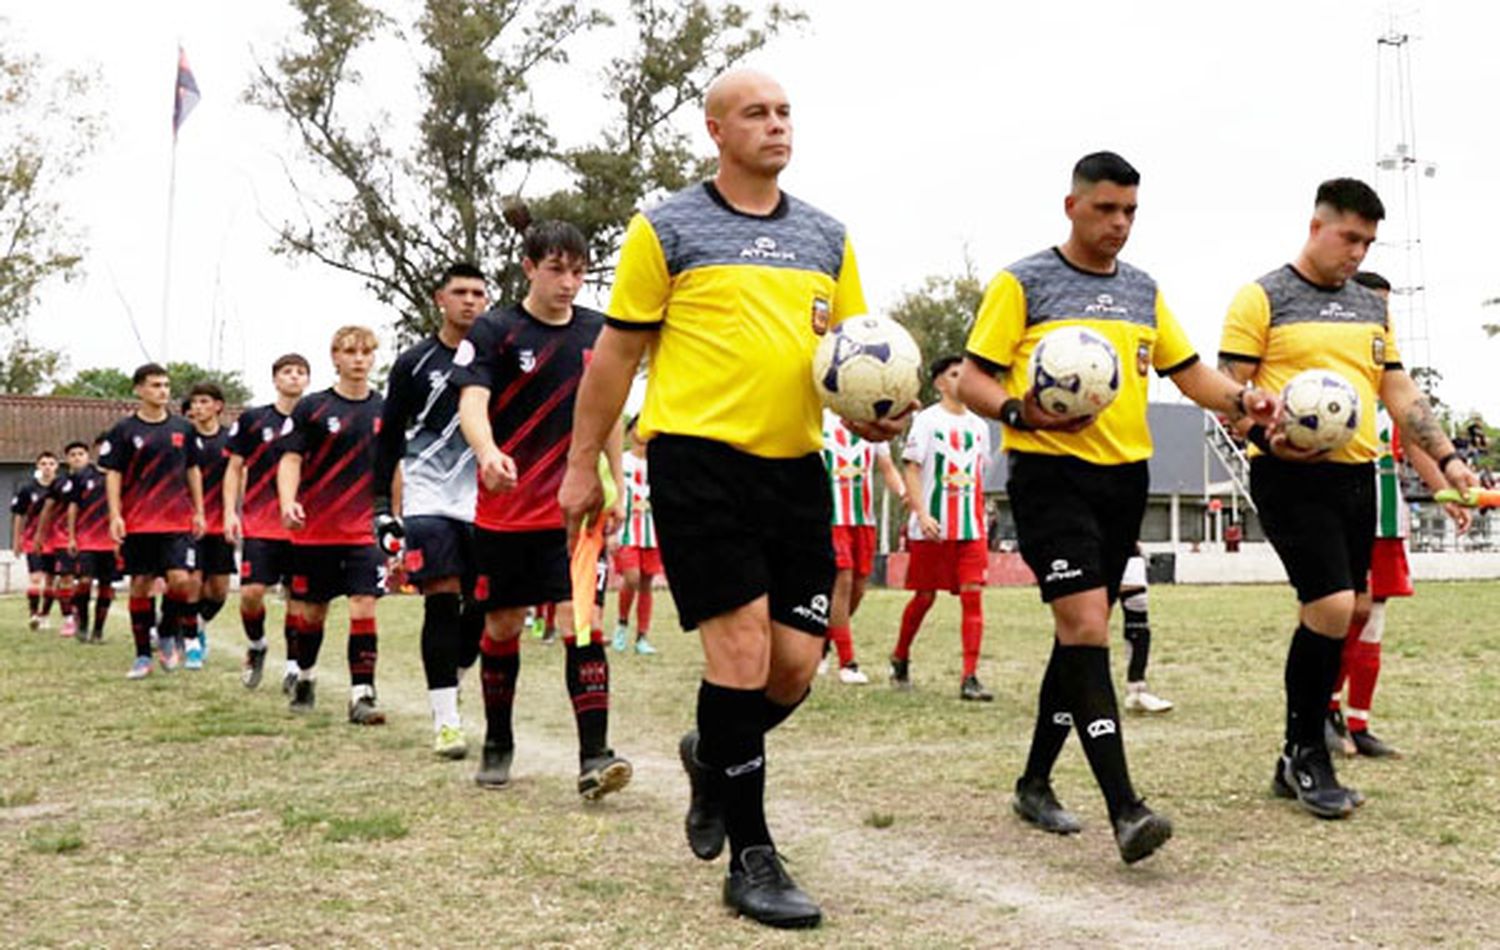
(50, 840)
(939, 315)
(400, 216)
(107, 382)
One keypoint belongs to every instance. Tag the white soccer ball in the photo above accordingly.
(1075, 372)
(1321, 410)
(867, 367)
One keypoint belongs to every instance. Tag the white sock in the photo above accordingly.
(361, 691)
(292, 668)
(444, 707)
(258, 646)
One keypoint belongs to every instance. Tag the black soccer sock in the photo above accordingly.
(81, 606)
(1138, 643)
(309, 643)
(49, 594)
(142, 619)
(1053, 723)
(471, 631)
(362, 651)
(290, 630)
(208, 609)
(587, 673)
(440, 636)
(168, 626)
(1312, 667)
(774, 714)
(730, 742)
(187, 619)
(101, 607)
(255, 626)
(499, 665)
(33, 600)
(1086, 686)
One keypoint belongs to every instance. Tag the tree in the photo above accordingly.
(110, 383)
(44, 135)
(939, 315)
(398, 219)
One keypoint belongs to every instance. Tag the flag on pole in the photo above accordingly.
(187, 92)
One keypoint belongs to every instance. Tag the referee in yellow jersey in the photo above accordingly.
(1078, 487)
(1318, 509)
(728, 284)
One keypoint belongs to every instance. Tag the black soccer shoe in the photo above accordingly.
(1308, 772)
(254, 668)
(760, 888)
(304, 696)
(1366, 744)
(288, 683)
(364, 712)
(1035, 804)
(973, 691)
(705, 815)
(602, 774)
(494, 766)
(1336, 734)
(1139, 831)
(1281, 789)
(900, 674)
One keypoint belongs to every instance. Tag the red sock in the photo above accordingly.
(627, 598)
(911, 622)
(1363, 660)
(1351, 637)
(643, 603)
(972, 603)
(842, 642)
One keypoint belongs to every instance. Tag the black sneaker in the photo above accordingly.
(971, 690)
(494, 766)
(1309, 773)
(900, 674)
(705, 814)
(304, 696)
(362, 712)
(1035, 804)
(288, 683)
(1139, 831)
(759, 888)
(1336, 734)
(1366, 744)
(254, 668)
(1281, 789)
(601, 775)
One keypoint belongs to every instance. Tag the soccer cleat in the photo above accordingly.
(705, 814)
(900, 674)
(35, 622)
(288, 682)
(254, 668)
(193, 658)
(1142, 701)
(494, 766)
(304, 696)
(823, 665)
(973, 691)
(203, 641)
(1139, 831)
(169, 656)
(1336, 734)
(549, 636)
(621, 636)
(758, 887)
(140, 669)
(851, 675)
(643, 647)
(602, 774)
(1366, 744)
(1281, 789)
(362, 710)
(1308, 773)
(98, 637)
(450, 743)
(1035, 804)
(69, 626)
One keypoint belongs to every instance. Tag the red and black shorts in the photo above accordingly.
(98, 565)
(40, 563)
(437, 547)
(321, 572)
(215, 555)
(521, 568)
(266, 561)
(153, 555)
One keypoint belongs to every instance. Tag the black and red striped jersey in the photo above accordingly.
(153, 459)
(532, 371)
(336, 438)
(57, 523)
(85, 490)
(256, 438)
(213, 457)
(27, 502)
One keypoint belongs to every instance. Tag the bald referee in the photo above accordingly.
(729, 284)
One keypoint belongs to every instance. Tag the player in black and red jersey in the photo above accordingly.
(87, 519)
(518, 370)
(252, 513)
(326, 485)
(155, 492)
(205, 403)
(52, 525)
(26, 509)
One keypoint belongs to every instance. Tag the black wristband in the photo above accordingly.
(1011, 414)
(1443, 463)
(1258, 438)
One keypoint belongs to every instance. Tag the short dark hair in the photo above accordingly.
(942, 363)
(147, 370)
(75, 444)
(545, 238)
(46, 454)
(206, 387)
(290, 359)
(185, 405)
(1350, 195)
(1372, 280)
(1105, 166)
(100, 439)
(459, 269)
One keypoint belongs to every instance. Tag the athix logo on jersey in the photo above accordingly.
(527, 360)
(1336, 312)
(1105, 303)
(816, 609)
(1101, 727)
(1062, 719)
(1062, 571)
(745, 768)
(764, 249)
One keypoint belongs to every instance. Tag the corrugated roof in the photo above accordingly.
(29, 424)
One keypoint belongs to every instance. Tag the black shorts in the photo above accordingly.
(437, 546)
(64, 564)
(40, 563)
(215, 555)
(521, 568)
(153, 555)
(98, 565)
(1320, 518)
(733, 527)
(266, 561)
(1077, 523)
(321, 572)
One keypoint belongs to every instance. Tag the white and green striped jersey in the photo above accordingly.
(850, 462)
(1392, 520)
(951, 449)
(638, 531)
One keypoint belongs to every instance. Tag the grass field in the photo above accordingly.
(184, 811)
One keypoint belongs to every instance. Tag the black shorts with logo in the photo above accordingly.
(98, 565)
(1320, 518)
(266, 561)
(437, 546)
(321, 572)
(734, 526)
(40, 563)
(153, 555)
(1077, 523)
(215, 555)
(521, 568)
(63, 563)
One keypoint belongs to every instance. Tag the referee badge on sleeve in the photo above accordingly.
(820, 311)
(1377, 350)
(1142, 359)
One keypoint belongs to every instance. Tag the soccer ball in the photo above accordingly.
(866, 368)
(1075, 372)
(1321, 410)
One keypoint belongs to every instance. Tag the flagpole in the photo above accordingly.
(166, 280)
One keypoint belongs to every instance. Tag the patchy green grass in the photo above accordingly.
(195, 813)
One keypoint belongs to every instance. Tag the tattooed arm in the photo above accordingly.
(1420, 426)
